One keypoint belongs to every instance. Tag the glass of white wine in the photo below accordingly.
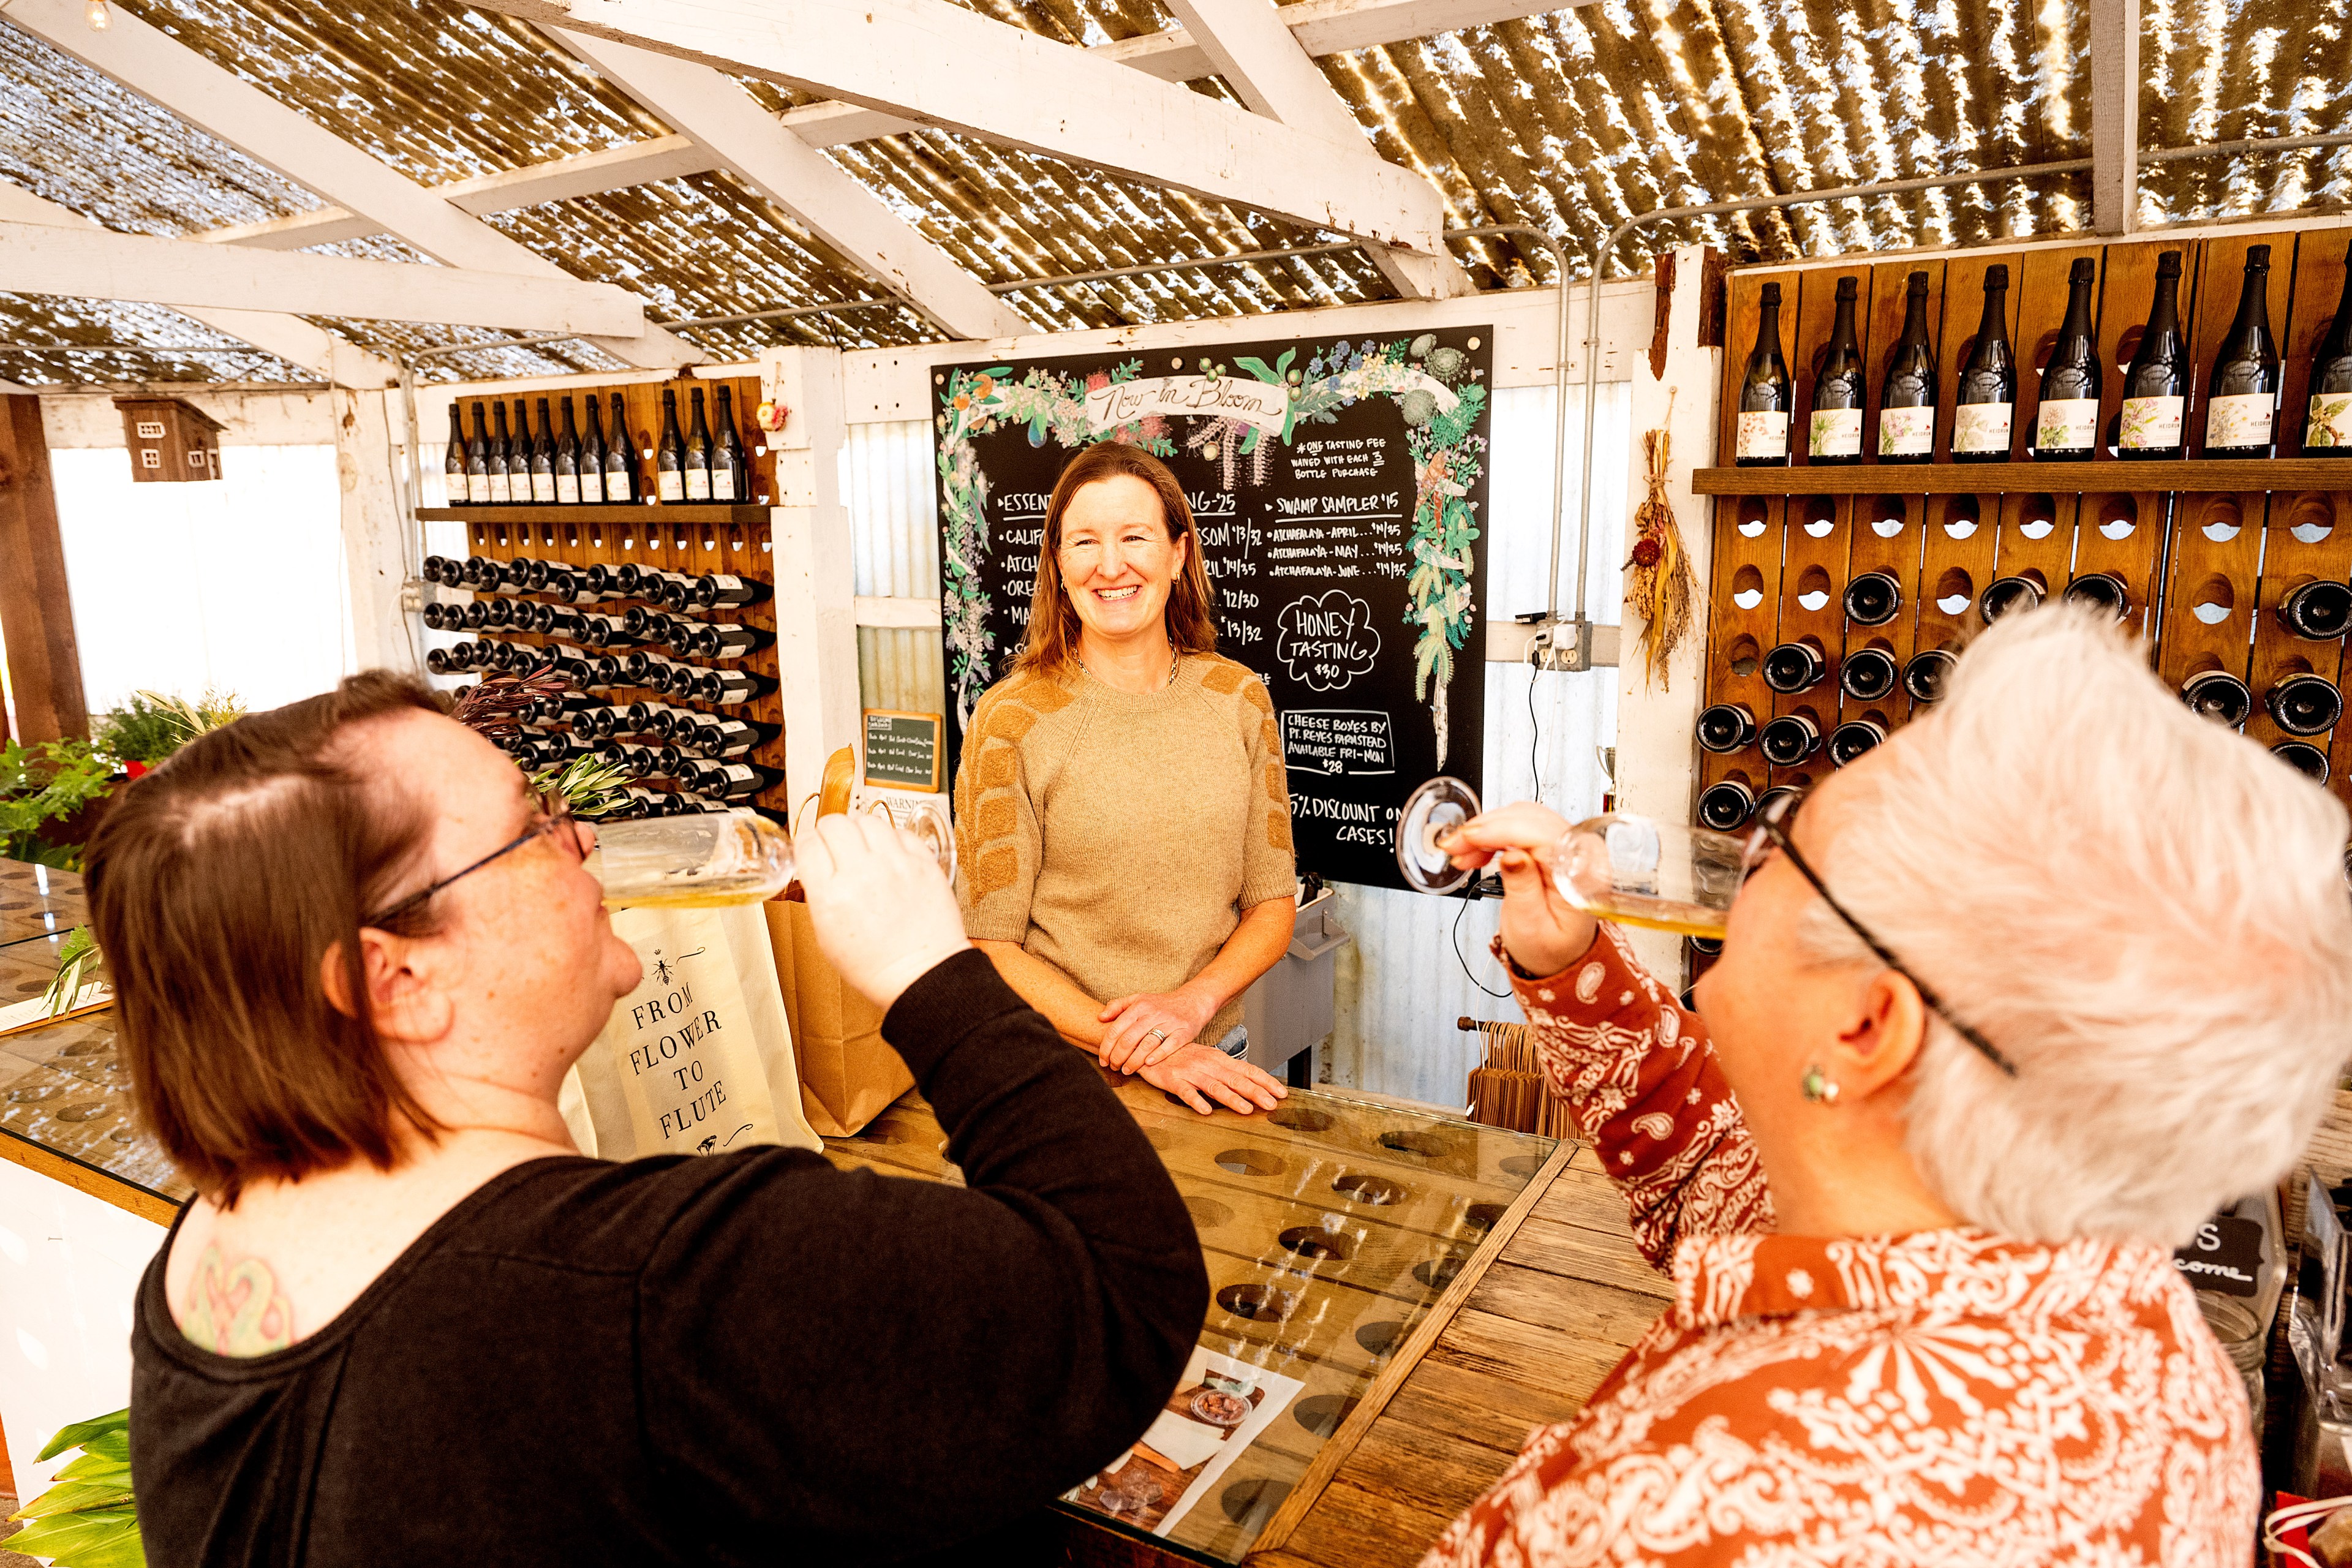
(737, 856)
(1624, 869)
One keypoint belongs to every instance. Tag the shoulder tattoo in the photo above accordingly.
(236, 1308)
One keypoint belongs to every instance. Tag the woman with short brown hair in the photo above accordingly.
(1121, 809)
(406, 1323)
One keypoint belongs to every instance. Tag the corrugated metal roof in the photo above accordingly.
(1571, 121)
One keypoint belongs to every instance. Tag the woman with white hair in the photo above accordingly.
(2005, 1010)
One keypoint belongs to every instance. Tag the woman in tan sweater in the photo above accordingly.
(1121, 810)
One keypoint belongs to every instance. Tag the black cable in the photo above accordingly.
(1535, 766)
(1469, 891)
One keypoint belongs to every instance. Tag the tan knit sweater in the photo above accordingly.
(1116, 835)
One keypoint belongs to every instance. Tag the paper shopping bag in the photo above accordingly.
(699, 1058)
(848, 1074)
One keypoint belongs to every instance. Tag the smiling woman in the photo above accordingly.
(1124, 817)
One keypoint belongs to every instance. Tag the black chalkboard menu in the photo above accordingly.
(1340, 487)
(902, 750)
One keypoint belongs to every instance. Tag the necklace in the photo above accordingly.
(1173, 662)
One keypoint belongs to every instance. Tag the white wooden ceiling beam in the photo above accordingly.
(290, 338)
(2115, 115)
(1263, 61)
(714, 112)
(149, 62)
(942, 65)
(97, 263)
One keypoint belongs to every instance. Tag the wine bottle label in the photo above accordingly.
(670, 485)
(501, 490)
(567, 490)
(722, 484)
(592, 487)
(2152, 424)
(1836, 433)
(1906, 432)
(2243, 420)
(1985, 427)
(697, 484)
(477, 486)
(2331, 420)
(1763, 435)
(2067, 424)
(542, 489)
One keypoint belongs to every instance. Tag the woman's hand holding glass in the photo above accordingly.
(1543, 932)
(1148, 1027)
(1197, 1074)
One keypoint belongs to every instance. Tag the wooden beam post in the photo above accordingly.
(817, 630)
(36, 612)
(375, 554)
(2115, 115)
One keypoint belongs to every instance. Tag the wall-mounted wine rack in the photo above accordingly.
(2205, 550)
(692, 539)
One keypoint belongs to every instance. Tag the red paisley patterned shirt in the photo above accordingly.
(1941, 1398)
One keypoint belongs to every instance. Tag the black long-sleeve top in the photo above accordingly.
(747, 1358)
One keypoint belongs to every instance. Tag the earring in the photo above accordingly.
(1817, 1086)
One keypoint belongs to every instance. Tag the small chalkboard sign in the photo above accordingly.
(902, 750)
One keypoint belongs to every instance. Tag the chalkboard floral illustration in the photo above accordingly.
(1440, 410)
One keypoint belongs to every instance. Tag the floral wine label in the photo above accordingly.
(1906, 432)
(2243, 420)
(2067, 425)
(567, 490)
(2152, 424)
(2331, 421)
(1985, 427)
(1836, 433)
(1766, 435)
(669, 484)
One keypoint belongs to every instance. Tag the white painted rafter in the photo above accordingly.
(97, 263)
(713, 111)
(290, 338)
(935, 62)
(2115, 115)
(149, 62)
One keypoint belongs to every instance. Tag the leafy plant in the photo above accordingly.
(88, 1519)
(76, 956)
(591, 787)
(40, 784)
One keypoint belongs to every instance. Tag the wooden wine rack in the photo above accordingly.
(2207, 548)
(694, 538)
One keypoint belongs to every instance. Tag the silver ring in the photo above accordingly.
(1160, 1034)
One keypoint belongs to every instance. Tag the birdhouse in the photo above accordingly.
(170, 440)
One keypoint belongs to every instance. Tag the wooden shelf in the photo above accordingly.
(2199, 475)
(716, 511)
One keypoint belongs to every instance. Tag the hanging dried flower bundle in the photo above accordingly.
(1660, 585)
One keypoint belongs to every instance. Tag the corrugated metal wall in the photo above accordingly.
(1399, 993)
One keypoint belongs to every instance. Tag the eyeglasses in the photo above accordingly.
(1771, 833)
(551, 817)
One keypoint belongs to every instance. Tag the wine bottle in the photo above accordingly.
(723, 687)
(724, 737)
(477, 463)
(2304, 704)
(1727, 727)
(1766, 396)
(698, 452)
(2327, 432)
(2242, 400)
(1906, 403)
(2156, 388)
(1795, 666)
(1726, 806)
(644, 762)
(592, 455)
(542, 461)
(733, 781)
(435, 613)
(1872, 599)
(2304, 758)
(2066, 422)
(669, 454)
(621, 487)
(2007, 595)
(2102, 590)
(721, 639)
(2317, 611)
(716, 591)
(731, 464)
(1985, 412)
(1834, 433)
(567, 461)
(501, 460)
(1850, 740)
(655, 673)
(2218, 695)
(433, 568)
(454, 461)
(1791, 739)
(1926, 676)
(1870, 674)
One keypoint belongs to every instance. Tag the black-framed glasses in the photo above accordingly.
(551, 817)
(1771, 833)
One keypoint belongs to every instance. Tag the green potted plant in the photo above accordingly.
(87, 1518)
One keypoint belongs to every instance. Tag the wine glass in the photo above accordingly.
(708, 859)
(1629, 869)
(924, 816)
